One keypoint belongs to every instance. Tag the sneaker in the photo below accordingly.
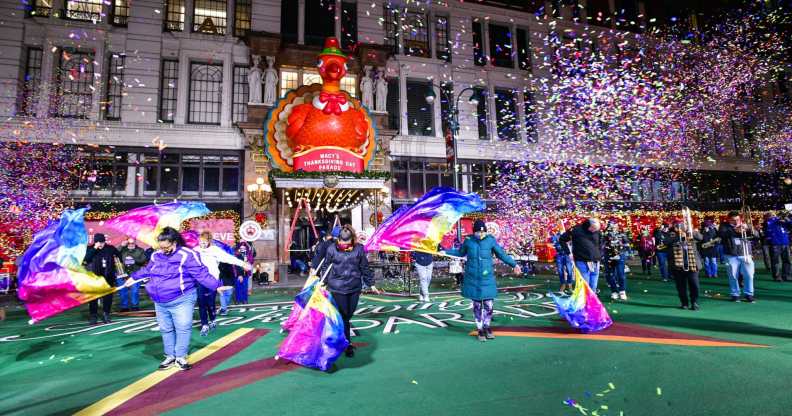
(683, 307)
(735, 298)
(212, 325)
(205, 330)
(488, 333)
(106, 318)
(92, 321)
(615, 296)
(167, 363)
(749, 299)
(481, 335)
(694, 307)
(623, 295)
(350, 351)
(183, 364)
(223, 312)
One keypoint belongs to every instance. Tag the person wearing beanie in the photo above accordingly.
(133, 258)
(684, 263)
(586, 249)
(103, 260)
(478, 283)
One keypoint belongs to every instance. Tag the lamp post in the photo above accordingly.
(453, 102)
(259, 194)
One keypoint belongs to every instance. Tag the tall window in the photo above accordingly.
(415, 33)
(206, 93)
(446, 116)
(41, 8)
(289, 80)
(420, 114)
(119, 12)
(506, 115)
(242, 12)
(390, 20)
(174, 15)
(28, 99)
(482, 116)
(394, 113)
(349, 36)
(114, 88)
(443, 43)
(74, 79)
(478, 44)
(531, 123)
(501, 46)
(290, 15)
(319, 21)
(168, 90)
(89, 10)
(523, 50)
(239, 112)
(210, 17)
(412, 178)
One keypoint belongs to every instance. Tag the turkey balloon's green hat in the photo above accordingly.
(331, 47)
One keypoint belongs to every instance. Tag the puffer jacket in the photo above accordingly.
(132, 259)
(171, 276)
(478, 282)
(350, 269)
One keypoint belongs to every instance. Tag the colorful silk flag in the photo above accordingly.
(51, 276)
(422, 225)
(300, 301)
(192, 239)
(145, 223)
(317, 339)
(583, 308)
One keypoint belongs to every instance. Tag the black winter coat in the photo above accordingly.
(585, 244)
(102, 262)
(321, 252)
(708, 233)
(350, 269)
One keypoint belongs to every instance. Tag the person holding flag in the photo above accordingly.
(174, 273)
(478, 283)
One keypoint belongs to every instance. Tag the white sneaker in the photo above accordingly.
(205, 330)
(183, 364)
(614, 296)
(167, 362)
(623, 295)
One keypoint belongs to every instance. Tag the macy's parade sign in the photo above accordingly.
(319, 127)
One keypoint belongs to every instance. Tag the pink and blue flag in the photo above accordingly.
(583, 309)
(51, 276)
(300, 301)
(145, 223)
(422, 225)
(317, 337)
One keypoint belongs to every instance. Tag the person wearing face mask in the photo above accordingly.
(174, 273)
(349, 270)
(243, 251)
(586, 249)
(101, 259)
(132, 258)
(211, 257)
(478, 283)
(661, 234)
(646, 250)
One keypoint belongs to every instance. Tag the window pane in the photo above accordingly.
(501, 46)
(239, 111)
(190, 179)
(120, 12)
(420, 114)
(150, 179)
(399, 165)
(230, 180)
(288, 81)
(168, 90)
(348, 25)
(31, 82)
(89, 10)
(121, 175)
(447, 179)
(400, 185)
(319, 21)
(206, 93)
(481, 114)
(432, 181)
(349, 84)
(41, 8)
(114, 89)
(191, 159)
(74, 77)
(531, 131)
(446, 117)
(478, 183)
(242, 17)
(416, 34)
(210, 17)
(311, 77)
(169, 180)
(506, 115)
(211, 180)
(394, 112)
(390, 22)
(443, 43)
(174, 15)
(416, 185)
(523, 50)
(478, 44)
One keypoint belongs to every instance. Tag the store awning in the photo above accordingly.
(331, 194)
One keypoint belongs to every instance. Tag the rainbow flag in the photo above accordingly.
(317, 338)
(422, 225)
(300, 301)
(145, 223)
(192, 239)
(51, 276)
(583, 308)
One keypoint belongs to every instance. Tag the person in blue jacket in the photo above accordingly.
(777, 232)
(478, 283)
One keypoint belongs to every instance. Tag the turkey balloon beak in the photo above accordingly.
(334, 71)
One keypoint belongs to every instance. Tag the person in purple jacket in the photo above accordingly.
(174, 273)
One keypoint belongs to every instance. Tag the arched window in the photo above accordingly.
(206, 93)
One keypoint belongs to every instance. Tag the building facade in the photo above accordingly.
(157, 93)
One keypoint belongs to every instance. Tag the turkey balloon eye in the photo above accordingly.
(346, 68)
(320, 63)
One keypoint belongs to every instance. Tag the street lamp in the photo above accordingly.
(453, 102)
(259, 194)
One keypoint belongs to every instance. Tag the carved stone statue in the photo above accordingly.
(381, 85)
(367, 88)
(270, 82)
(254, 81)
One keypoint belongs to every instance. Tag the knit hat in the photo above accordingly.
(479, 225)
(99, 238)
(331, 47)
